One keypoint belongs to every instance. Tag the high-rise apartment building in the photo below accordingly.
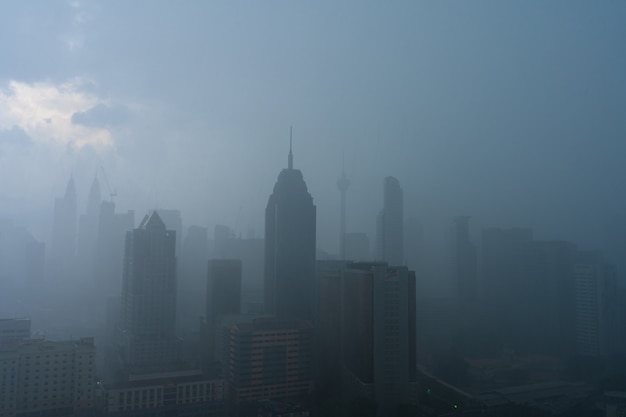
(595, 287)
(268, 358)
(149, 297)
(390, 224)
(290, 222)
(378, 334)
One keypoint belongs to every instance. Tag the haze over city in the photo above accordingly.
(476, 124)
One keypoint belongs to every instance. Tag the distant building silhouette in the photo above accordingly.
(465, 264)
(595, 287)
(149, 297)
(343, 184)
(290, 228)
(378, 334)
(63, 244)
(223, 294)
(88, 234)
(192, 278)
(112, 228)
(390, 224)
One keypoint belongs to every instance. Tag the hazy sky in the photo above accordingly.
(513, 112)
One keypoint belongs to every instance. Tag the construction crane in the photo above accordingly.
(106, 181)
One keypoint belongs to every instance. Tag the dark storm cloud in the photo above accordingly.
(102, 116)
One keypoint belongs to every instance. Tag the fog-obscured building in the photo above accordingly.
(62, 254)
(378, 334)
(112, 228)
(41, 377)
(88, 235)
(268, 358)
(290, 230)
(223, 294)
(595, 287)
(167, 394)
(149, 298)
(390, 224)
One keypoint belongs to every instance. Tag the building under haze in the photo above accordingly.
(465, 264)
(41, 377)
(223, 294)
(63, 243)
(390, 224)
(112, 227)
(88, 234)
(149, 298)
(290, 221)
(378, 334)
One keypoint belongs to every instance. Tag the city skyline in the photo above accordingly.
(472, 112)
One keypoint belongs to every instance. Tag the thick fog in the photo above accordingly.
(510, 113)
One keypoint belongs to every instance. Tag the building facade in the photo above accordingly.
(378, 332)
(148, 307)
(41, 377)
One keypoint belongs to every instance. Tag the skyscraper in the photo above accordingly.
(63, 244)
(149, 297)
(390, 239)
(88, 233)
(290, 246)
(378, 334)
(223, 294)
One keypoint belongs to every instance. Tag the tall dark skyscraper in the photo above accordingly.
(290, 219)
(149, 296)
(390, 227)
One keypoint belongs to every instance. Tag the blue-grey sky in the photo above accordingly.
(512, 112)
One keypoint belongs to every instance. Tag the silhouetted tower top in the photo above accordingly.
(290, 226)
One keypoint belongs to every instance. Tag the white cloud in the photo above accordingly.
(44, 111)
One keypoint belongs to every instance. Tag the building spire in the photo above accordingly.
(290, 162)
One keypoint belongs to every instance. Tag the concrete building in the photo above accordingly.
(13, 332)
(290, 232)
(378, 334)
(42, 377)
(167, 394)
(149, 298)
(223, 293)
(595, 286)
(63, 243)
(269, 358)
(390, 224)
